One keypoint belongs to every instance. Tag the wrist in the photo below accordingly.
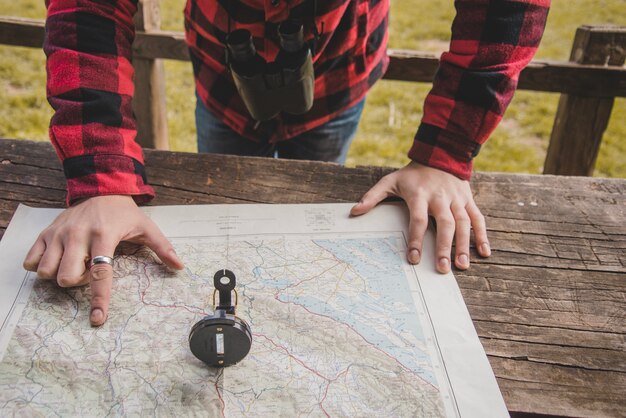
(101, 197)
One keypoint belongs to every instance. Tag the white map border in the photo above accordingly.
(471, 378)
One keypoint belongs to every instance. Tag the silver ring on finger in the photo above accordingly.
(100, 259)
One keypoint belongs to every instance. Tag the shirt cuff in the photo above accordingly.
(109, 174)
(435, 147)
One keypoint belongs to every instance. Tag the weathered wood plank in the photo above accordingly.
(581, 120)
(19, 31)
(482, 310)
(546, 251)
(540, 75)
(551, 335)
(549, 305)
(579, 357)
(161, 44)
(262, 180)
(553, 295)
(597, 206)
(558, 390)
(601, 311)
(592, 209)
(538, 282)
(149, 104)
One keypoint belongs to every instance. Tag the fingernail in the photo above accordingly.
(97, 317)
(414, 256)
(485, 249)
(172, 254)
(444, 263)
(355, 210)
(463, 260)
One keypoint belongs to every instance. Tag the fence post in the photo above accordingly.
(581, 121)
(149, 101)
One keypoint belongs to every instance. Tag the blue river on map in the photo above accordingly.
(378, 301)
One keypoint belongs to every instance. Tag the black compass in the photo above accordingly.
(221, 339)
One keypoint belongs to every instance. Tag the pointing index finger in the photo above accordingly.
(101, 283)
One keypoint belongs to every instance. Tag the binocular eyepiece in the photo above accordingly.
(291, 35)
(286, 84)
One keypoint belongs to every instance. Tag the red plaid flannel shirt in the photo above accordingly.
(88, 45)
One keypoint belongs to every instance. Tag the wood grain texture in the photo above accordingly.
(549, 306)
(149, 104)
(540, 75)
(581, 120)
(19, 31)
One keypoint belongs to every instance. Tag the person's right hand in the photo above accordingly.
(94, 227)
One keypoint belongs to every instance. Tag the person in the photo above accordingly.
(90, 87)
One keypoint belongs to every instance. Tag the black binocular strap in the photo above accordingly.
(231, 11)
(230, 7)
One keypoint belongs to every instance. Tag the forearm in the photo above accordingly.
(88, 49)
(491, 43)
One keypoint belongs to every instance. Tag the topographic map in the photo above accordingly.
(339, 324)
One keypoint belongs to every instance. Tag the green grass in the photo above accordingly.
(24, 111)
(393, 108)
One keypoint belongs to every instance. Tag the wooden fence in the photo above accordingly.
(588, 82)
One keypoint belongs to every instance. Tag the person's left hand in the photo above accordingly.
(429, 191)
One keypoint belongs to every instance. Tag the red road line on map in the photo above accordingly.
(328, 386)
(219, 395)
(142, 296)
(328, 380)
(174, 306)
(300, 362)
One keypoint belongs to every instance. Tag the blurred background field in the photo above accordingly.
(393, 108)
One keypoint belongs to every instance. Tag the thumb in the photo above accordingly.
(374, 196)
(157, 242)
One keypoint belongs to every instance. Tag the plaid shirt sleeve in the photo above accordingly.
(90, 87)
(492, 41)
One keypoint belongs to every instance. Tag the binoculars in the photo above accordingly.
(286, 84)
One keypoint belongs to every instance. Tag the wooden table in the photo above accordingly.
(549, 305)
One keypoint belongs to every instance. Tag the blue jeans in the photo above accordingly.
(328, 142)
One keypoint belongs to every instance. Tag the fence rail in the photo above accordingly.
(589, 82)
